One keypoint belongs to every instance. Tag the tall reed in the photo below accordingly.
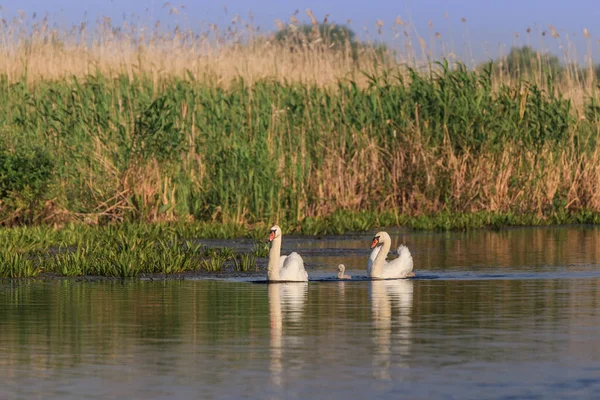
(241, 128)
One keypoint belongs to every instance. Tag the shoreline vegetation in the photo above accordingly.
(120, 145)
(158, 250)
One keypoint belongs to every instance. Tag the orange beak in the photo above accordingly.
(375, 242)
(271, 236)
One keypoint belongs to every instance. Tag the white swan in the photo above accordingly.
(341, 275)
(379, 268)
(284, 268)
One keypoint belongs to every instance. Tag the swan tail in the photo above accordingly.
(406, 257)
(402, 249)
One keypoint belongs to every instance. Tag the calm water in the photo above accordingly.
(510, 314)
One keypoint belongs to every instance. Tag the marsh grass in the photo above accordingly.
(128, 257)
(214, 263)
(260, 249)
(15, 264)
(245, 262)
(223, 252)
(75, 263)
(233, 129)
(417, 146)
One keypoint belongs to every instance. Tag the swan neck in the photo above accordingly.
(274, 256)
(377, 268)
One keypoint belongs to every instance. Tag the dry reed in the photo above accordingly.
(291, 153)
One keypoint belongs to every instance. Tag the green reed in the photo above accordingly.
(214, 263)
(14, 264)
(260, 249)
(245, 262)
(133, 148)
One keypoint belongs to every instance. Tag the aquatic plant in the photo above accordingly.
(14, 264)
(223, 252)
(245, 262)
(214, 263)
(260, 249)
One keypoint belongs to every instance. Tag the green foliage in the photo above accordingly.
(15, 264)
(261, 249)
(156, 133)
(214, 263)
(245, 262)
(25, 172)
(139, 149)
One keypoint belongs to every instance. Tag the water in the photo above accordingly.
(510, 314)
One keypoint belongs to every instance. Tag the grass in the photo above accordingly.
(245, 262)
(15, 264)
(214, 264)
(222, 134)
(124, 250)
(130, 150)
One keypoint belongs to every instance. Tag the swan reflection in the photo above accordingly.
(286, 300)
(391, 307)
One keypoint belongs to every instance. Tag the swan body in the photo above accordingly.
(284, 268)
(379, 268)
(341, 275)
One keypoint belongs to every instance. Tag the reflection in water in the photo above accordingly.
(391, 307)
(284, 299)
(69, 339)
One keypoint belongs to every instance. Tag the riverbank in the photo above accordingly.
(135, 249)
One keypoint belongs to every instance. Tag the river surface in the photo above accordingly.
(490, 315)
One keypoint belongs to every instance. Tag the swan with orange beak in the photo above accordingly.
(379, 268)
(284, 268)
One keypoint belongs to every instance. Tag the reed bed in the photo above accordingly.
(319, 132)
(126, 250)
(112, 150)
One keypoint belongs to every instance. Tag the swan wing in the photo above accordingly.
(292, 268)
(401, 266)
(282, 259)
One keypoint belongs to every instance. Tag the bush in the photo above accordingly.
(25, 171)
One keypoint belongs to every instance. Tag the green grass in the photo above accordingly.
(15, 264)
(124, 250)
(132, 148)
(245, 262)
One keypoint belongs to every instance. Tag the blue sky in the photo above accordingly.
(489, 23)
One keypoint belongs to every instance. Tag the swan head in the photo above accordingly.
(275, 233)
(380, 238)
(341, 268)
